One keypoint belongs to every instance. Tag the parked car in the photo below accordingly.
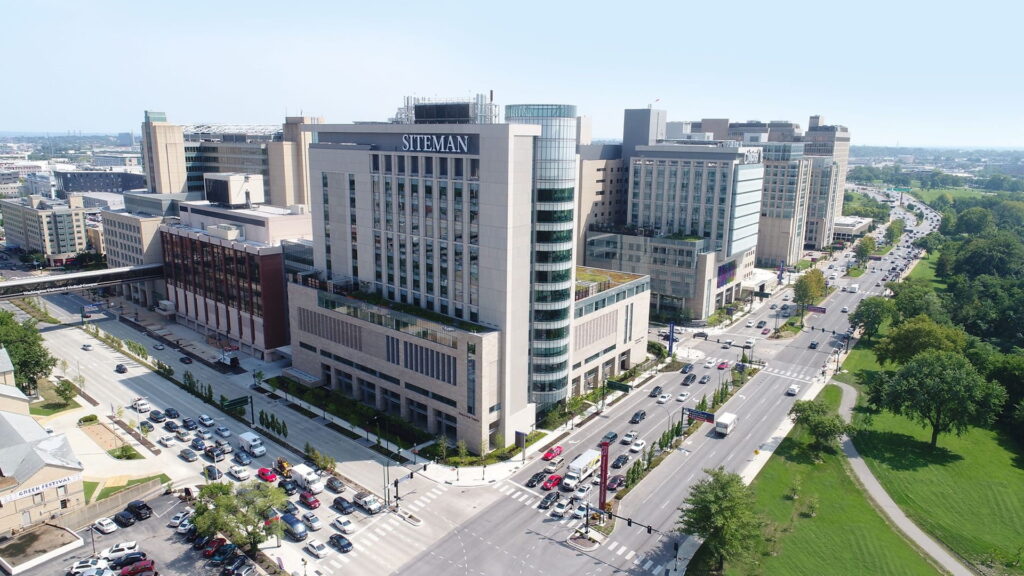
(288, 485)
(309, 500)
(128, 559)
(211, 472)
(240, 473)
(82, 566)
(200, 542)
(172, 413)
(188, 455)
(185, 527)
(118, 550)
(335, 485)
(139, 567)
(171, 426)
(223, 554)
(241, 458)
(198, 444)
(104, 525)
(189, 424)
(312, 521)
(212, 546)
(157, 416)
(180, 517)
(139, 509)
(124, 519)
(146, 426)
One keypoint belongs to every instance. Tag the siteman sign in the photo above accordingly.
(454, 143)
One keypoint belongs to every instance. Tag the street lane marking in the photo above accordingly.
(648, 565)
(372, 536)
(631, 554)
(621, 550)
(658, 570)
(612, 545)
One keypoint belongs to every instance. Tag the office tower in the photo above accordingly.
(54, 228)
(782, 227)
(829, 145)
(163, 154)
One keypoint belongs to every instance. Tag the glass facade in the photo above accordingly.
(554, 216)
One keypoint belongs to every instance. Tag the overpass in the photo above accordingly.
(56, 283)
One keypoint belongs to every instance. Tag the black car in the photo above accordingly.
(616, 482)
(761, 324)
(157, 416)
(340, 542)
(288, 485)
(171, 426)
(703, 335)
(189, 424)
(185, 360)
(638, 416)
(139, 509)
(172, 413)
(188, 455)
(536, 479)
(201, 542)
(120, 369)
(242, 459)
(211, 472)
(146, 426)
(335, 485)
(128, 560)
(549, 500)
(341, 504)
(124, 519)
(192, 533)
(688, 368)
(610, 436)
(814, 345)
(621, 461)
(690, 379)
(234, 564)
(655, 392)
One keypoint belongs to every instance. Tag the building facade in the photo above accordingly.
(54, 228)
(225, 273)
(829, 146)
(132, 239)
(163, 154)
(782, 228)
(96, 181)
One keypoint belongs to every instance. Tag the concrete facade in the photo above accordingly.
(850, 228)
(131, 239)
(782, 228)
(52, 227)
(163, 154)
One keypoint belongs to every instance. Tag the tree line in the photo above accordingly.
(894, 175)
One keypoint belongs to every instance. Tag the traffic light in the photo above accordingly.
(396, 484)
(629, 521)
(410, 475)
(648, 529)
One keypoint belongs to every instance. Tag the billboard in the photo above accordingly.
(726, 273)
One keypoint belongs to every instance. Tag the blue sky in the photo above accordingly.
(913, 73)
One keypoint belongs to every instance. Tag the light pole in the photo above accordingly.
(304, 567)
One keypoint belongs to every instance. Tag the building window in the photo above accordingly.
(37, 499)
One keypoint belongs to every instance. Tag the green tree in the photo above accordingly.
(940, 390)
(442, 447)
(24, 344)
(913, 298)
(825, 426)
(258, 376)
(720, 510)
(917, 335)
(864, 248)
(461, 449)
(239, 514)
(894, 230)
(974, 221)
(870, 314)
(66, 390)
(809, 288)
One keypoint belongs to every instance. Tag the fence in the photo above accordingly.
(78, 519)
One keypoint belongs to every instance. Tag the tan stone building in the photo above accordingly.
(54, 228)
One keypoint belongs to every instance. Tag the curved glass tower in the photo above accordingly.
(553, 262)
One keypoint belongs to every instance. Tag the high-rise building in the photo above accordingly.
(176, 158)
(782, 227)
(54, 228)
(441, 285)
(829, 145)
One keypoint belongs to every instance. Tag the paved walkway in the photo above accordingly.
(935, 550)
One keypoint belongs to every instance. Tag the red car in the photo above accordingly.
(139, 567)
(723, 365)
(308, 499)
(266, 474)
(552, 453)
(552, 482)
(212, 546)
(766, 331)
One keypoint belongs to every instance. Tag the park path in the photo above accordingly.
(882, 500)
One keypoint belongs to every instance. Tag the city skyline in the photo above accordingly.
(892, 75)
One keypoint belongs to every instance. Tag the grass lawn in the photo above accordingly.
(51, 403)
(89, 487)
(855, 271)
(846, 536)
(925, 270)
(109, 491)
(967, 493)
(803, 265)
(125, 452)
(928, 196)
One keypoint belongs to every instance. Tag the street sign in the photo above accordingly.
(235, 403)
(701, 416)
(762, 294)
(817, 309)
(620, 386)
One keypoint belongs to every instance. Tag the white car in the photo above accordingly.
(87, 347)
(222, 431)
(709, 364)
(185, 526)
(205, 420)
(118, 550)
(180, 517)
(561, 508)
(793, 390)
(580, 511)
(166, 440)
(344, 525)
(630, 436)
(204, 434)
(664, 398)
(85, 565)
(845, 309)
(312, 521)
(683, 397)
(105, 525)
(637, 446)
(750, 323)
(317, 548)
(582, 491)
(240, 473)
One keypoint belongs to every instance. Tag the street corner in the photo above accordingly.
(584, 542)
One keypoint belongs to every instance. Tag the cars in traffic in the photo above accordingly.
(552, 482)
(552, 452)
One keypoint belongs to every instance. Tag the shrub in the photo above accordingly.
(88, 419)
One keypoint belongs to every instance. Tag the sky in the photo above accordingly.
(904, 72)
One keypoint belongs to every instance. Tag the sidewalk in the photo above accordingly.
(882, 500)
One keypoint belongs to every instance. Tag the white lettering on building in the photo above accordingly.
(455, 143)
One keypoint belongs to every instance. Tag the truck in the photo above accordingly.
(141, 405)
(580, 469)
(307, 479)
(251, 443)
(725, 423)
(854, 288)
(368, 502)
(283, 467)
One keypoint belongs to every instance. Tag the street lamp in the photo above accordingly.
(304, 567)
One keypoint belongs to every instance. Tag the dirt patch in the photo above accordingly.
(31, 543)
(103, 436)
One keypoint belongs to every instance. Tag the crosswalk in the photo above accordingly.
(529, 498)
(805, 373)
(426, 498)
